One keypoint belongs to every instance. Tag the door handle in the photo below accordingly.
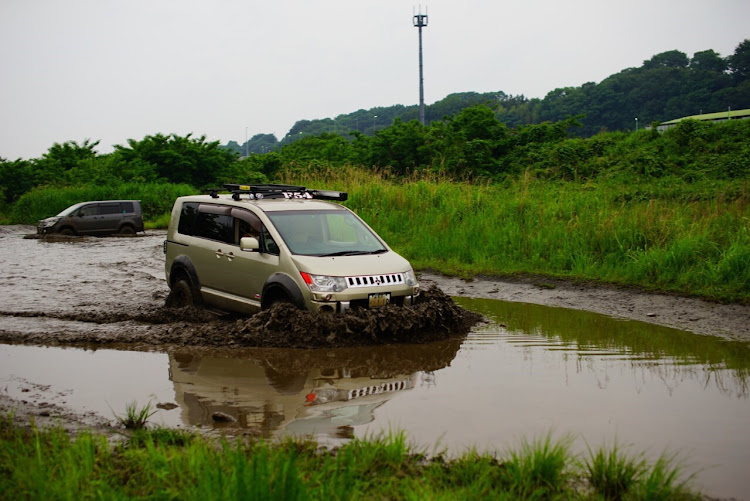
(229, 255)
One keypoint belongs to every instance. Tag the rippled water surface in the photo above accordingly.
(529, 371)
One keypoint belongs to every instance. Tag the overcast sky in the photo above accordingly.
(111, 70)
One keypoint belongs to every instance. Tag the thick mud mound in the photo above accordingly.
(434, 317)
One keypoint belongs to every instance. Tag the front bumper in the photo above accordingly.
(330, 303)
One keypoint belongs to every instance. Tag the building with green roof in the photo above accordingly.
(708, 117)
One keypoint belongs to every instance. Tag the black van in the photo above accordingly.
(103, 217)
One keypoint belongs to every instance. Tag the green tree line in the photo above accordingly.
(473, 145)
(667, 86)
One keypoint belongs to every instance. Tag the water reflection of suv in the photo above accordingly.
(96, 218)
(268, 243)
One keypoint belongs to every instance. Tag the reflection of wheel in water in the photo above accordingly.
(182, 295)
(127, 230)
(67, 232)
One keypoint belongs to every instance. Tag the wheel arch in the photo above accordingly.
(183, 266)
(281, 283)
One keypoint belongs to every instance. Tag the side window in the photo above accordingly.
(219, 227)
(269, 244)
(126, 207)
(89, 210)
(188, 216)
(109, 208)
(249, 225)
(215, 222)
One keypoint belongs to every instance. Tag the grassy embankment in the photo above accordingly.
(664, 234)
(168, 464)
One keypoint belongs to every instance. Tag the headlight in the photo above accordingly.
(50, 221)
(323, 283)
(410, 278)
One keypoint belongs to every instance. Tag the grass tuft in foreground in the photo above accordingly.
(135, 418)
(50, 464)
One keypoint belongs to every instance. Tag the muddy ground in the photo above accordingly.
(111, 291)
(434, 317)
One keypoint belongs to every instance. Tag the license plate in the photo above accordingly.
(379, 299)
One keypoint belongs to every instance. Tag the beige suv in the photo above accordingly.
(263, 244)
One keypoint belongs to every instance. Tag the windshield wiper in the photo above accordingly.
(353, 253)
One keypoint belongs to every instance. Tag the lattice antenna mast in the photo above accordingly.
(420, 21)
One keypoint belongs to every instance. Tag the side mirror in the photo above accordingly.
(249, 244)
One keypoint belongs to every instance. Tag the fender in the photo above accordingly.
(183, 263)
(287, 285)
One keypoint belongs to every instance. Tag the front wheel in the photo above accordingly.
(127, 230)
(183, 295)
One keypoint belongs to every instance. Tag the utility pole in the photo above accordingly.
(420, 21)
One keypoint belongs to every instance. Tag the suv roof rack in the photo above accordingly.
(258, 191)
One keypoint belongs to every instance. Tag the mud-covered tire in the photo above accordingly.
(183, 295)
(280, 288)
(279, 298)
(68, 232)
(127, 230)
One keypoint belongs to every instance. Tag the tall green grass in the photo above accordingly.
(50, 464)
(156, 199)
(667, 235)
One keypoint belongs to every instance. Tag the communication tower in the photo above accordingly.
(420, 21)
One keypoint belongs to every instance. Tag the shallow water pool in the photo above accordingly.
(531, 370)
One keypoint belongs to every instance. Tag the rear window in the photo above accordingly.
(110, 208)
(207, 221)
(188, 215)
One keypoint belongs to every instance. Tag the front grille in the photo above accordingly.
(381, 388)
(375, 280)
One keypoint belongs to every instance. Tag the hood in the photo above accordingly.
(343, 266)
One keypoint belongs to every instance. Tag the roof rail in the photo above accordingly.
(258, 191)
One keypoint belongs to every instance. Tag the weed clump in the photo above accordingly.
(135, 418)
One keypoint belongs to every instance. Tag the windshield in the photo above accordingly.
(325, 233)
(70, 210)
